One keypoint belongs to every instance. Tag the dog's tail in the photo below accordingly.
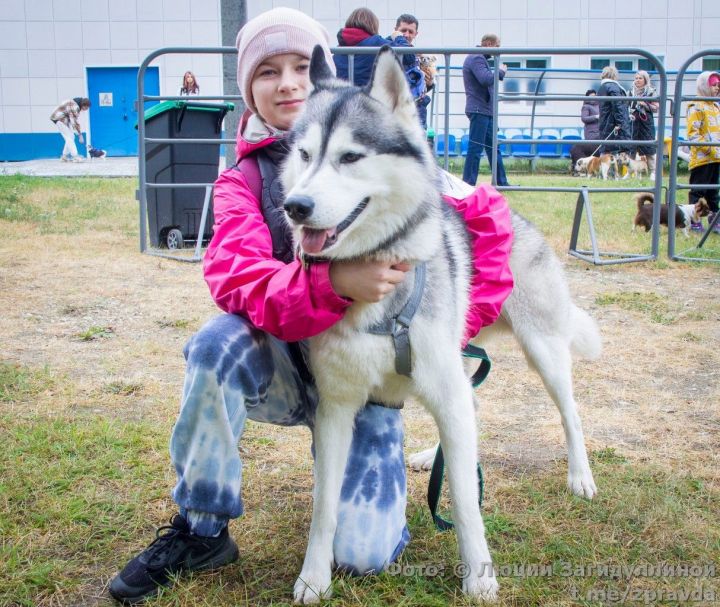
(642, 198)
(586, 340)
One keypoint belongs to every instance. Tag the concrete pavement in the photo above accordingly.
(117, 166)
(123, 166)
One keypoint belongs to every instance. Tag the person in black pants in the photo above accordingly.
(590, 115)
(641, 116)
(703, 125)
(614, 115)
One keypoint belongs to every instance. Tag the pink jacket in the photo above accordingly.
(293, 303)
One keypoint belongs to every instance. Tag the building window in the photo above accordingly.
(711, 64)
(536, 63)
(624, 64)
(647, 65)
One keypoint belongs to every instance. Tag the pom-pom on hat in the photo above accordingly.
(276, 32)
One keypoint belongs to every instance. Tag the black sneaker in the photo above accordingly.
(171, 552)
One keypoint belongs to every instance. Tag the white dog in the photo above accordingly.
(354, 192)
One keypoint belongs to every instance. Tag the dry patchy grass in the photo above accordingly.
(85, 477)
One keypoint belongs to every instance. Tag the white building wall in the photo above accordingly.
(45, 45)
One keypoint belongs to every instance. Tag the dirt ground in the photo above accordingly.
(653, 395)
(106, 325)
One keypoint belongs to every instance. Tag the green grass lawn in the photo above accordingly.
(85, 475)
(613, 213)
(67, 482)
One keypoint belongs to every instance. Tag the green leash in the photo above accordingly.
(438, 469)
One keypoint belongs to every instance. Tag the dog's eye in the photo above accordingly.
(350, 157)
(304, 156)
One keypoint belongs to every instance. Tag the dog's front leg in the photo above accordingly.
(451, 404)
(332, 436)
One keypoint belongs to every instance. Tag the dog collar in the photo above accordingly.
(307, 260)
(398, 326)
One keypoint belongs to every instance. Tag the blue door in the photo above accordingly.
(113, 113)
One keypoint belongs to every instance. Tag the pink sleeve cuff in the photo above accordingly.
(322, 291)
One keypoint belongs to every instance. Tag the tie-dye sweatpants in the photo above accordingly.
(235, 372)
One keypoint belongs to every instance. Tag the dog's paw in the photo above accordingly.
(582, 484)
(312, 588)
(481, 586)
(423, 460)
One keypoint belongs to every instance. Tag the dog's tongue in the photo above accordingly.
(313, 240)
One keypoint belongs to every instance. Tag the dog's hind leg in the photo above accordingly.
(332, 436)
(447, 394)
(551, 358)
(423, 460)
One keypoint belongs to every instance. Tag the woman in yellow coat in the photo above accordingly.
(703, 125)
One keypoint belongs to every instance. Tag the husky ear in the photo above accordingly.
(388, 84)
(319, 69)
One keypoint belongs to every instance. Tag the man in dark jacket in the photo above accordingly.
(479, 91)
(614, 115)
(406, 26)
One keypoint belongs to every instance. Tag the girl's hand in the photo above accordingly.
(366, 281)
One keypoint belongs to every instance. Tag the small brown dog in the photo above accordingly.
(595, 166)
(685, 214)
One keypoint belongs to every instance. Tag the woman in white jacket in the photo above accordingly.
(190, 85)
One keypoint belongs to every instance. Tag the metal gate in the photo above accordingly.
(583, 206)
(674, 185)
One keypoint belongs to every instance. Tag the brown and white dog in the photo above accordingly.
(685, 214)
(596, 166)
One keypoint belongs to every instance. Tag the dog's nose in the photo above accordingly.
(299, 207)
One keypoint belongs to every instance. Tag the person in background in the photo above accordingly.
(420, 75)
(362, 29)
(479, 82)
(66, 118)
(642, 117)
(614, 114)
(250, 362)
(703, 125)
(189, 85)
(590, 116)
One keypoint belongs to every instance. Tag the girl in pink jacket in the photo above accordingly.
(251, 361)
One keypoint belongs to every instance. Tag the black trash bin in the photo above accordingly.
(174, 214)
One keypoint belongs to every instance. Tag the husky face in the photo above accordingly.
(359, 167)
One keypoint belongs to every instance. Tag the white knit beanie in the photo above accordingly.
(275, 32)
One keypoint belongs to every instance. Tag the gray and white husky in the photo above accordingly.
(361, 183)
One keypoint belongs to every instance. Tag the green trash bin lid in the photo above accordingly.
(195, 106)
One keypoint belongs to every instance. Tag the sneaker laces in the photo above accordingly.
(167, 536)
